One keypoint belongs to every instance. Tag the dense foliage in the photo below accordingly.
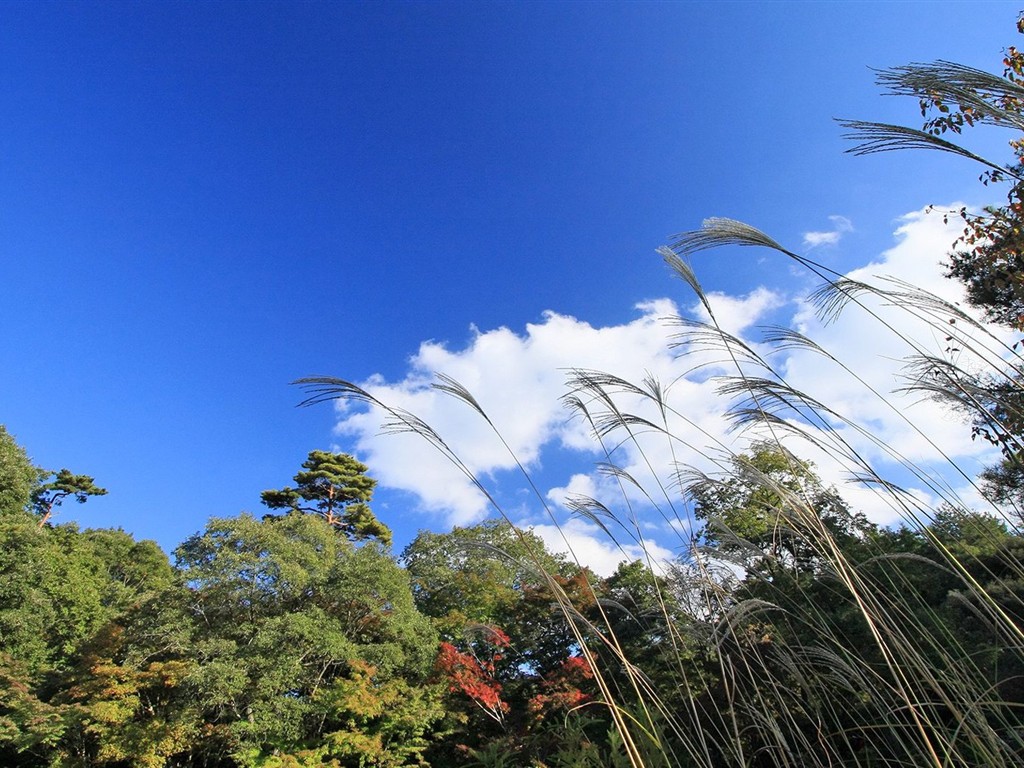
(279, 642)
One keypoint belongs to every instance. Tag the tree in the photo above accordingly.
(65, 597)
(498, 598)
(128, 700)
(18, 476)
(476, 575)
(306, 645)
(473, 673)
(645, 616)
(773, 510)
(65, 484)
(336, 487)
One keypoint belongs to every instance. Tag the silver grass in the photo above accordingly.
(697, 336)
(773, 691)
(964, 86)
(719, 232)
(873, 138)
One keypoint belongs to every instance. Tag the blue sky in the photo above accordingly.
(200, 203)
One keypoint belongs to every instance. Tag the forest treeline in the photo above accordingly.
(297, 639)
(789, 631)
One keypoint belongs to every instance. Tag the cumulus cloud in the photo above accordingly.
(519, 377)
(736, 314)
(579, 485)
(840, 226)
(518, 380)
(588, 544)
(862, 381)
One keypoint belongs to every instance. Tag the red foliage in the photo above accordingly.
(475, 676)
(562, 687)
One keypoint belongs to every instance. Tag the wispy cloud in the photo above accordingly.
(840, 226)
(519, 377)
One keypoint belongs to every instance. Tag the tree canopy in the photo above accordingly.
(769, 506)
(19, 477)
(65, 484)
(336, 487)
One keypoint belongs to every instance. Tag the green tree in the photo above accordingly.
(773, 511)
(18, 476)
(645, 616)
(289, 620)
(58, 586)
(336, 487)
(61, 592)
(65, 484)
(476, 575)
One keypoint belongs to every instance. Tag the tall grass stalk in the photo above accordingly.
(766, 675)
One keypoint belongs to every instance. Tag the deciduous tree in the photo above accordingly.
(289, 618)
(988, 257)
(770, 510)
(19, 477)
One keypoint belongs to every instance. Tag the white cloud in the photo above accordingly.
(870, 338)
(579, 485)
(814, 239)
(518, 381)
(589, 546)
(840, 226)
(519, 378)
(736, 314)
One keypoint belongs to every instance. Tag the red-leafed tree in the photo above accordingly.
(473, 673)
(563, 688)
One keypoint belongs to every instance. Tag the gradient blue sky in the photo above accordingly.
(200, 202)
